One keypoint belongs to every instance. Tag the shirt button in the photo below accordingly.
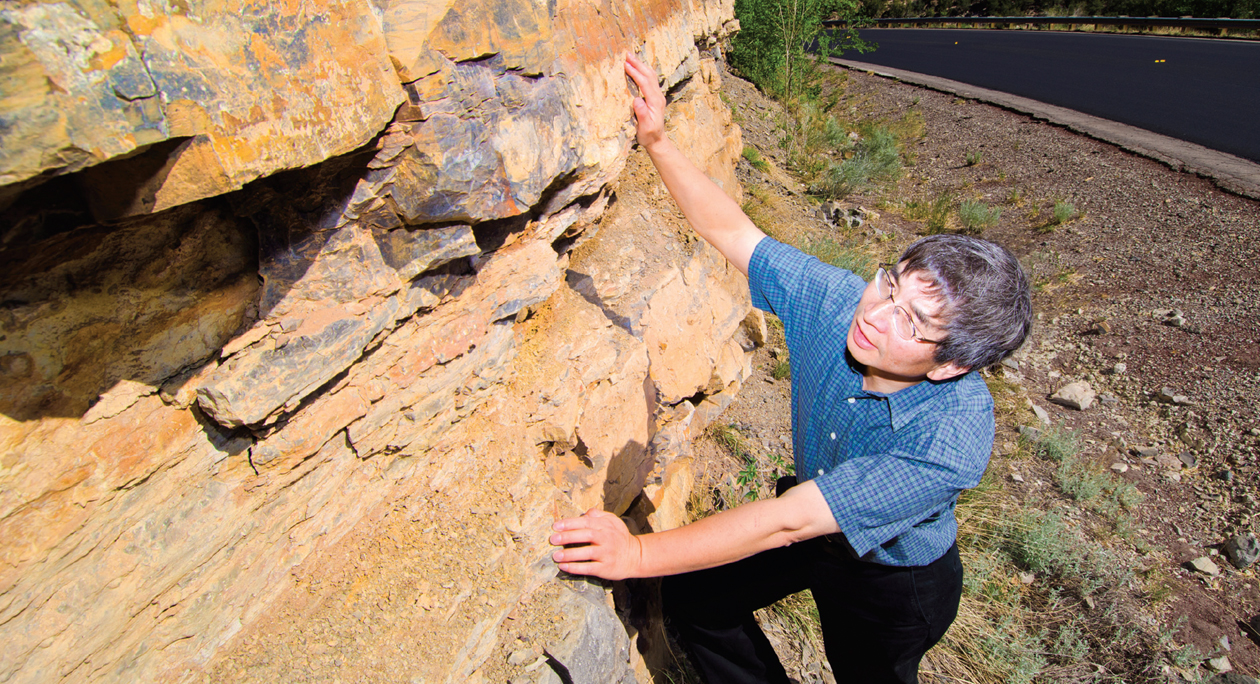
(820, 471)
(851, 400)
(833, 435)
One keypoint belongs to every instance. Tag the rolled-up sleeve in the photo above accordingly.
(877, 497)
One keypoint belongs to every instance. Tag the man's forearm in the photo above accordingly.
(737, 533)
(713, 214)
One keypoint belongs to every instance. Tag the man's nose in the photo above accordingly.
(879, 313)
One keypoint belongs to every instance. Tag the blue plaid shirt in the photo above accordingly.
(890, 466)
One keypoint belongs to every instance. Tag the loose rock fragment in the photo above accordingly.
(1205, 565)
(1077, 396)
(1243, 550)
(1220, 664)
(1167, 395)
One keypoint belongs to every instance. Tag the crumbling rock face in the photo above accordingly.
(271, 270)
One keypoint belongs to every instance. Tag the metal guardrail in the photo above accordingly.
(1189, 22)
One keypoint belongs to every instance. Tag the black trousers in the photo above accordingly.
(877, 620)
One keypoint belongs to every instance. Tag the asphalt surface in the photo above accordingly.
(1200, 90)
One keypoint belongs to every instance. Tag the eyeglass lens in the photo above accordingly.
(902, 324)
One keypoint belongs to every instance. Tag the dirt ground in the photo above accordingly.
(1149, 244)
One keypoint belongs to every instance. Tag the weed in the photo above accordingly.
(975, 158)
(782, 369)
(729, 437)
(976, 216)
(934, 212)
(1015, 197)
(754, 157)
(1186, 657)
(757, 209)
(909, 129)
(1063, 212)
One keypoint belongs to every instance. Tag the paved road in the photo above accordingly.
(1205, 91)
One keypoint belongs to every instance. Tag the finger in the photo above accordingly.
(642, 75)
(579, 568)
(571, 524)
(572, 537)
(578, 554)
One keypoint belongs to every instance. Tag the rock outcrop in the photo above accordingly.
(273, 271)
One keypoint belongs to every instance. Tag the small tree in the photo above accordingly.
(782, 42)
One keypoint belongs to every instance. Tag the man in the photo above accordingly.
(889, 425)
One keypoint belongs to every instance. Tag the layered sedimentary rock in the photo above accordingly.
(273, 268)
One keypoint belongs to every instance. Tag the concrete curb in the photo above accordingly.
(1234, 174)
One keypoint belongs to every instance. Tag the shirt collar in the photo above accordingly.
(906, 405)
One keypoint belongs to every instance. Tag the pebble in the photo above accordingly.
(1188, 459)
(1119, 369)
(1146, 451)
(1167, 395)
(1017, 477)
(1041, 414)
(1120, 467)
(1108, 399)
(1205, 565)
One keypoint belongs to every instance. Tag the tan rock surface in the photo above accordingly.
(210, 408)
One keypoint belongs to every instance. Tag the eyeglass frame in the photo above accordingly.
(885, 272)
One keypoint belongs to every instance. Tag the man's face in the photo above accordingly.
(893, 362)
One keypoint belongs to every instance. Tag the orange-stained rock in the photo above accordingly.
(474, 306)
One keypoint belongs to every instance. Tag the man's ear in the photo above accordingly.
(946, 371)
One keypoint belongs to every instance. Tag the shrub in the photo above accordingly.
(771, 48)
(1063, 212)
(976, 216)
(875, 159)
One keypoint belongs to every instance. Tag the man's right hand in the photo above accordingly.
(649, 110)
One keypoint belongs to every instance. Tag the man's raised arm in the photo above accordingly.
(714, 215)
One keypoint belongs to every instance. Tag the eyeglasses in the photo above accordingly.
(903, 324)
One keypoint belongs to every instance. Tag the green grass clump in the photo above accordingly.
(875, 160)
(1063, 212)
(754, 157)
(782, 367)
(934, 213)
(976, 216)
(974, 158)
